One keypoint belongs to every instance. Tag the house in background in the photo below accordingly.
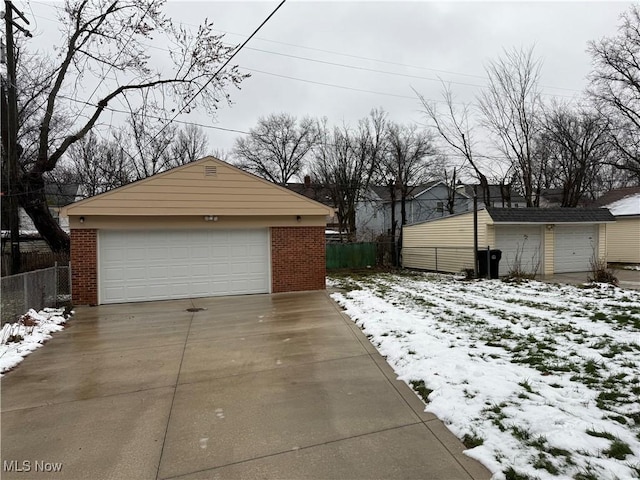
(623, 237)
(426, 201)
(58, 196)
(321, 194)
(501, 196)
(538, 240)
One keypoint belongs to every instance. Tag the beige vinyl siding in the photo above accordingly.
(623, 240)
(602, 242)
(194, 222)
(187, 190)
(549, 251)
(445, 244)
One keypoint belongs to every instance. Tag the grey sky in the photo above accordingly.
(450, 40)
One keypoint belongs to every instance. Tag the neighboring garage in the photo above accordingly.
(203, 229)
(536, 240)
(623, 238)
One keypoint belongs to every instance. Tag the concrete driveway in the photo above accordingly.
(264, 386)
(626, 278)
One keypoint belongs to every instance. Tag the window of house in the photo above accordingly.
(440, 207)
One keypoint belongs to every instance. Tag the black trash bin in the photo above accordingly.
(489, 262)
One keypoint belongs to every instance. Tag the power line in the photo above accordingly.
(219, 69)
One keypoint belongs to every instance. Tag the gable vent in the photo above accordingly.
(210, 171)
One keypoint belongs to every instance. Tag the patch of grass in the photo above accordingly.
(519, 433)
(618, 450)
(618, 418)
(526, 385)
(543, 463)
(421, 389)
(591, 367)
(586, 475)
(595, 433)
(471, 441)
(511, 474)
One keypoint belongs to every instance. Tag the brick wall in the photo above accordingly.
(297, 259)
(84, 267)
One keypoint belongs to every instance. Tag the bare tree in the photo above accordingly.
(148, 144)
(188, 146)
(510, 107)
(103, 44)
(98, 165)
(276, 148)
(615, 88)
(405, 164)
(578, 144)
(453, 127)
(344, 162)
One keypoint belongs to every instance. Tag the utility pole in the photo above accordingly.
(12, 134)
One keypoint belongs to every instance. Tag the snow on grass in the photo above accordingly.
(17, 340)
(538, 380)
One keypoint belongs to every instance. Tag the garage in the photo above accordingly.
(206, 228)
(521, 248)
(150, 265)
(544, 241)
(576, 246)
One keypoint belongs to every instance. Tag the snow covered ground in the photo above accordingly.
(538, 380)
(17, 340)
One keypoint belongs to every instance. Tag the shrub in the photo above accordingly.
(601, 273)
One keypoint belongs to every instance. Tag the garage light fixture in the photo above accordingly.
(550, 227)
(81, 219)
(298, 218)
(210, 218)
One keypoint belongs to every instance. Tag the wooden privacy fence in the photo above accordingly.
(351, 255)
(35, 261)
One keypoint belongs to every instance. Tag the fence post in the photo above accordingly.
(24, 286)
(55, 279)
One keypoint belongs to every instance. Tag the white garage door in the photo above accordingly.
(575, 246)
(520, 244)
(155, 265)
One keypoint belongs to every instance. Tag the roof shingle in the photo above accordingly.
(550, 215)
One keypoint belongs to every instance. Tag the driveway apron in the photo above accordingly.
(260, 386)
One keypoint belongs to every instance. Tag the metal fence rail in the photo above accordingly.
(48, 287)
(438, 259)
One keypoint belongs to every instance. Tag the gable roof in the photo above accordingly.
(59, 194)
(621, 201)
(495, 192)
(207, 186)
(629, 205)
(384, 192)
(550, 215)
(615, 195)
(314, 191)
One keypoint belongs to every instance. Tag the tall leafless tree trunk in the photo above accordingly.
(615, 88)
(510, 106)
(453, 127)
(104, 43)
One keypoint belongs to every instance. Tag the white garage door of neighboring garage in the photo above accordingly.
(138, 266)
(523, 242)
(574, 247)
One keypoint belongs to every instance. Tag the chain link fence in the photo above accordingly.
(48, 287)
